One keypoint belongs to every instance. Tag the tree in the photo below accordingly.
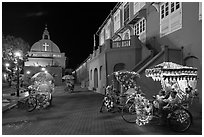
(10, 45)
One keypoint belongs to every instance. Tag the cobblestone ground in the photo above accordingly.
(78, 114)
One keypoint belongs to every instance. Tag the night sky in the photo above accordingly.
(71, 24)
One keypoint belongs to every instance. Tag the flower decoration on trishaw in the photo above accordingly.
(127, 79)
(174, 78)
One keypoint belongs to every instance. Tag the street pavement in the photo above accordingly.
(78, 114)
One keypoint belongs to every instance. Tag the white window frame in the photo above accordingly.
(140, 29)
(140, 26)
(116, 20)
(166, 12)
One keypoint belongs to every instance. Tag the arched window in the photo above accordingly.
(126, 37)
(90, 74)
(95, 78)
(100, 72)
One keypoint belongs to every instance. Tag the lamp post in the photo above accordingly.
(8, 78)
(17, 55)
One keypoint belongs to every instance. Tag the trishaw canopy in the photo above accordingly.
(42, 76)
(174, 76)
(171, 71)
(67, 77)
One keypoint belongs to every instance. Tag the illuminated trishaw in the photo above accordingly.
(69, 83)
(179, 88)
(115, 98)
(40, 92)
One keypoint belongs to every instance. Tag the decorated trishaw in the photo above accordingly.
(114, 98)
(40, 92)
(69, 83)
(170, 105)
(178, 90)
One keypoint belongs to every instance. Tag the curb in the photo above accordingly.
(11, 105)
(8, 107)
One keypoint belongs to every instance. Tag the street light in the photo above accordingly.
(7, 64)
(28, 72)
(43, 69)
(17, 55)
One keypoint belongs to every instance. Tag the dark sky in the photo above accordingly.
(71, 24)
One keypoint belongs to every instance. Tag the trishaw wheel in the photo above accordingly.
(31, 104)
(129, 113)
(180, 120)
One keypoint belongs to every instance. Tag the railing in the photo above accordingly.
(122, 43)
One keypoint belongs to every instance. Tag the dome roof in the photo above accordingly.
(45, 44)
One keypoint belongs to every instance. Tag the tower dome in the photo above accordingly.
(45, 44)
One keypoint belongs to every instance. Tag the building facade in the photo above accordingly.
(139, 35)
(45, 55)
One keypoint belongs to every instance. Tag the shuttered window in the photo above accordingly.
(107, 30)
(102, 37)
(140, 29)
(117, 20)
(126, 12)
(170, 17)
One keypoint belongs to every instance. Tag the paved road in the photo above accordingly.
(78, 114)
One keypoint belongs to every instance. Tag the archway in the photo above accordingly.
(95, 78)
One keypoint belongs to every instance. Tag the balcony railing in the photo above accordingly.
(122, 43)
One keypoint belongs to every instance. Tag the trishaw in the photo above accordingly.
(115, 99)
(40, 92)
(69, 83)
(179, 88)
(178, 91)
